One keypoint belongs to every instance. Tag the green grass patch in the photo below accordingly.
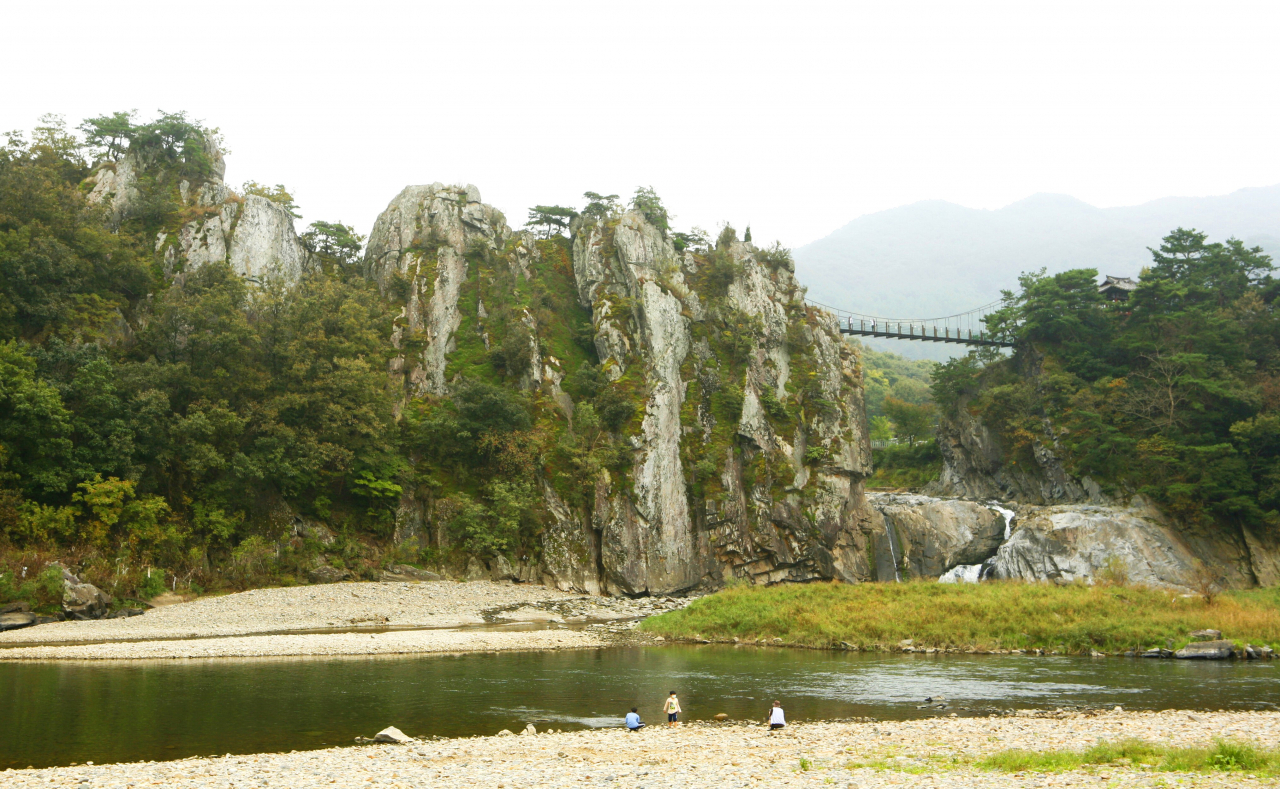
(990, 615)
(1223, 756)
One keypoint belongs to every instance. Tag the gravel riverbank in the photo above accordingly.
(936, 753)
(265, 622)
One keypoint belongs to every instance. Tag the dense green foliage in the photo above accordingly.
(902, 417)
(995, 615)
(148, 425)
(1173, 393)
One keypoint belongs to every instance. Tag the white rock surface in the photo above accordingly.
(423, 236)
(1070, 542)
(394, 736)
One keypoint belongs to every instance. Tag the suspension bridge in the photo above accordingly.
(963, 328)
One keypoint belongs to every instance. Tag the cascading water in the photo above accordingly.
(962, 574)
(1008, 518)
(893, 548)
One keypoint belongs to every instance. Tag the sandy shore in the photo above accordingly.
(317, 644)
(936, 753)
(265, 622)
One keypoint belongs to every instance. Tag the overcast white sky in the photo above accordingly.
(793, 116)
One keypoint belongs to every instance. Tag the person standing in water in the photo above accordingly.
(672, 708)
(777, 719)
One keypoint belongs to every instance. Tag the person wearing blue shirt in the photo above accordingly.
(633, 720)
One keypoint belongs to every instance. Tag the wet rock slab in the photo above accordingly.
(1206, 650)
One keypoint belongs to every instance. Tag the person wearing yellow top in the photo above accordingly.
(672, 708)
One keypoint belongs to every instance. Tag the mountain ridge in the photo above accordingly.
(956, 258)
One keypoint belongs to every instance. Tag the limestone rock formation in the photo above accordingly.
(657, 314)
(255, 235)
(974, 466)
(419, 245)
(923, 537)
(1083, 542)
(766, 488)
(1080, 528)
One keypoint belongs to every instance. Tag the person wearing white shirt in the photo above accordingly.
(777, 719)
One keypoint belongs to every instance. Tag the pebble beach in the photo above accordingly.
(406, 618)
(937, 753)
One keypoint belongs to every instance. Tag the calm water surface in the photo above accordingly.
(58, 713)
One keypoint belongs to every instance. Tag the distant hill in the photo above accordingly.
(937, 258)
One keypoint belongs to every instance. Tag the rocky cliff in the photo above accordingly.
(915, 536)
(747, 449)
(1068, 529)
(213, 223)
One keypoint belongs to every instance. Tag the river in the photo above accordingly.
(56, 713)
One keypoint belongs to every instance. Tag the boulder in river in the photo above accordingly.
(393, 735)
(1206, 650)
(324, 574)
(1206, 635)
(16, 620)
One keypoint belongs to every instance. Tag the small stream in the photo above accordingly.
(55, 713)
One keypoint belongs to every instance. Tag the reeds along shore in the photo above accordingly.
(1001, 615)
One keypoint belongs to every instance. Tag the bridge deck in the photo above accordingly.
(899, 335)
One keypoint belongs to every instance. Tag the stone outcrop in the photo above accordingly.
(923, 537)
(804, 519)
(253, 234)
(1082, 528)
(82, 600)
(419, 247)
(1206, 650)
(16, 620)
(781, 497)
(1087, 542)
(974, 466)
(324, 574)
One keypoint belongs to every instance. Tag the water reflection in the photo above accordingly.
(57, 713)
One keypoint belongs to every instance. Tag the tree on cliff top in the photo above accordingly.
(647, 202)
(600, 206)
(333, 243)
(172, 137)
(550, 219)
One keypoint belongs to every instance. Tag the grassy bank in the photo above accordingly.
(1224, 756)
(987, 616)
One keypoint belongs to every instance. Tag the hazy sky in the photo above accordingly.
(792, 116)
